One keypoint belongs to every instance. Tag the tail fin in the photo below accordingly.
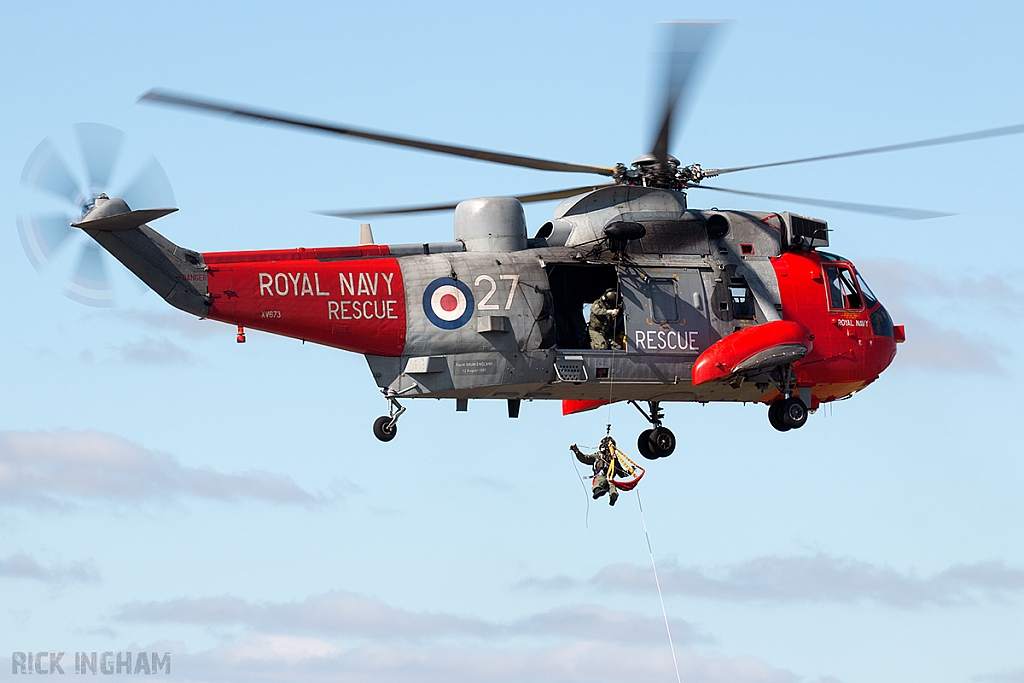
(176, 274)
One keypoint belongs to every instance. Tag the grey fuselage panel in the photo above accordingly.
(694, 278)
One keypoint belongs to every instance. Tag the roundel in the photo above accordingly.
(448, 303)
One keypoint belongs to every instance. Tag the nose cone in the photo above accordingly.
(881, 350)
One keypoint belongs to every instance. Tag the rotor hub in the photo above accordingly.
(89, 201)
(647, 171)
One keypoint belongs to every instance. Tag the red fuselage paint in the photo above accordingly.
(847, 354)
(351, 298)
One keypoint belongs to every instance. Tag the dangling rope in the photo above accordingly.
(657, 583)
(586, 494)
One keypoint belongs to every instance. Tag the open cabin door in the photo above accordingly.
(666, 311)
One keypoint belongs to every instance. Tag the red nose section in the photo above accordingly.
(759, 347)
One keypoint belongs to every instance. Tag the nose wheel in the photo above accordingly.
(791, 412)
(659, 441)
(787, 414)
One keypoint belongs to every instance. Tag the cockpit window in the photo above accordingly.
(842, 292)
(825, 256)
(869, 297)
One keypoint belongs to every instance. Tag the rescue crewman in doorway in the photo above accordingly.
(606, 322)
(602, 462)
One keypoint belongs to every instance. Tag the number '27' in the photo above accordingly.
(484, 306)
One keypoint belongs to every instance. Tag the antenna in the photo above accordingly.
(365, 234)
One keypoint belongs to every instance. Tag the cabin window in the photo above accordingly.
(842, 292)
(742, 299)
(664, 300)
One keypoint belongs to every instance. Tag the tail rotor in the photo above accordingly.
(46, 236)
(88, 283)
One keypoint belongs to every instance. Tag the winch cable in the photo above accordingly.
(611, 365)
(643, 521)
(657, 583)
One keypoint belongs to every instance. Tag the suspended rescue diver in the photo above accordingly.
(606, 327)
(609, 463)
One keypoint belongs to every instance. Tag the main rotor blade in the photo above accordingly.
(889, 211)
(386, 138)
(931, 142)
(448, 206)
(687, 42)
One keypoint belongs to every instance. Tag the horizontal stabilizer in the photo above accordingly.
(123, 221)
(752, 350)
(570, 407)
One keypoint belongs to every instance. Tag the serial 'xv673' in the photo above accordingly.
(706, 305)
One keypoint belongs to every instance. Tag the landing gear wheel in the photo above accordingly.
(661, 442)
(775, 416)
(793, 412)
(383, 429)
(643, 445)
(658, 442)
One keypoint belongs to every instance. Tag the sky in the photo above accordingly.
(165, 489)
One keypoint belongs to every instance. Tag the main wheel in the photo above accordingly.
(643, 445)
(661, 442)
(794, 413)
(383, 429)
(775, 416)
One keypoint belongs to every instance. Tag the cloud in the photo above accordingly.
(900, 281)
(158, 351)
(936, 348)
(21, 565)
(903, 288)
(823, 578)
(269, 658)
(593, 622)
(173, 321)
(343, 614)
(494, 485)
(1012, 676)
(65, 467)
(557, 583)
(104, 631)
(335, 614)
(341, 635)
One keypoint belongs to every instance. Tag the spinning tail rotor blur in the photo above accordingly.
(47, 235)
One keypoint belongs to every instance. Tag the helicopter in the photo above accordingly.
(715, 305)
